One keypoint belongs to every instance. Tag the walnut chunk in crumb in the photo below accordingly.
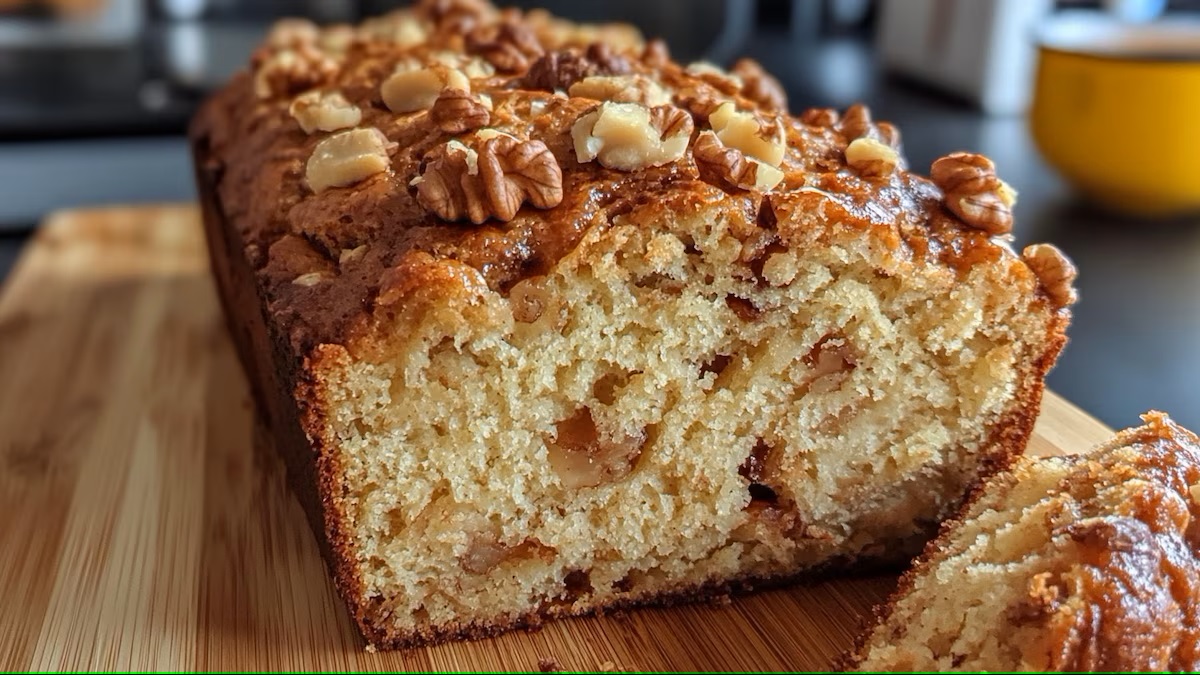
(490, 178)
(410, 90)
(730, 168)
(348, 157)
(1054, 271)
(324, 111)
(631, 136)
(973, 192)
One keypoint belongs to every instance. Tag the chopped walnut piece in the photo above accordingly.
(456, 111)
(744, 131)
(418, 89)
(760, 86)
(729, 168)
(870, 157)
(292, 70)
(622, 89)
(1054, 271)
(324, 111)
(582, 456)
(630, 136)
(562, 68)
(725, 82)
(656, 54)
(509, 45)
(857, 123)
(403, 27)
(311, 279)
(489, 180)
(973, 192)
(292, 32)
(347, 157)
(820, 117)
(457, 16)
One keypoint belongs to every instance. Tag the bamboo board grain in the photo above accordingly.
(145, 527)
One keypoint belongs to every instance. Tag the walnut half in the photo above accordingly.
(630, 136)
(490, 178)
(324, 111)
(973, 192)
(730, 168)
(1054, 271)
(410, 90)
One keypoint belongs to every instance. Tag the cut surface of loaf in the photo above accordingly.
(545, 324)
(1082, 563)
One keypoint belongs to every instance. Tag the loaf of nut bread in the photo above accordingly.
(545, 322)
(1084, 563)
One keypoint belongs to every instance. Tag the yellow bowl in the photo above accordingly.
(1116, 109)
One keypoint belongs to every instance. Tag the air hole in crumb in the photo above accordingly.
(762, 493)
(578, 583)
(583, 457)
(716, 365)
(743, 308)
(346, 219)
(624, 584)
(754, 469)
(360, 427)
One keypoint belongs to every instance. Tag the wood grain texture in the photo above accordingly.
(147, 523)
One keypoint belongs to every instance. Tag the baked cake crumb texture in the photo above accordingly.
(1081, 563)
(569, 325)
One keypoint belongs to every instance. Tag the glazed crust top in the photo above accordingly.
(419, 194)
(1129, 599)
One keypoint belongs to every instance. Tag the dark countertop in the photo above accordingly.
(1132, 344)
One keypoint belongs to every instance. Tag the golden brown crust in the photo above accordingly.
(264, 150)
(1126, 594)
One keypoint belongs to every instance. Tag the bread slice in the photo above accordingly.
(545, 325)
(1084, 563)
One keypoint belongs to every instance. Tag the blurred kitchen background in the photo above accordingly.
(95, 96)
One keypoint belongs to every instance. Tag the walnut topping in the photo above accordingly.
(745, 132)
(656, 54)
(563, 68)
(489, 180)
(1055, 272)
(622, 89)
(311, 279)
(730, 168)
(630, 136)
(292, 70)
(347, 157)
(324, 111)
(870, 157)
(725, 82)
(509, 45)
(456, 111)
(760, 86)
(292, 32)
(857, 123)
(820, 117)
(418, 89)
(458, 16)
(973, 192)
(402, 27)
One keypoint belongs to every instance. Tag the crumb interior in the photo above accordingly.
(678, 401)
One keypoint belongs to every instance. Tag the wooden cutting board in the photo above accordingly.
(144, 526)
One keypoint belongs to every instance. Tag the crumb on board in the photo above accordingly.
(549, 665)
